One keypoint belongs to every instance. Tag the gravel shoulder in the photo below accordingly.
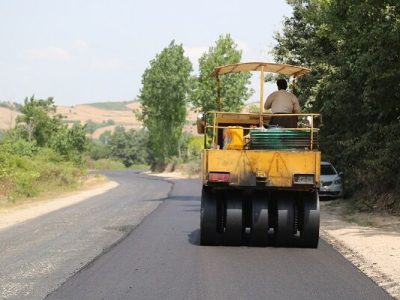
(373, 249)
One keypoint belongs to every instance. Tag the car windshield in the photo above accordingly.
(327, 170)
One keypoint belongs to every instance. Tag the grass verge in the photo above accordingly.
(85, 183)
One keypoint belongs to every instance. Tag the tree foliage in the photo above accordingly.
(41, 153)
(39, 124)
(163, 98)
(71, 143)
(352, 46)
(234, 87)
(129, 146)
(36, 119)
(91, 126)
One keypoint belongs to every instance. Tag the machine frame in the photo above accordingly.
(259, 196)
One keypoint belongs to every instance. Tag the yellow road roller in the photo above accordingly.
(260, 181)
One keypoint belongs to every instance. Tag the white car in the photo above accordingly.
(331, 181)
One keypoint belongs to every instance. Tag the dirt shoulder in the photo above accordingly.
(370, 241)
(47, 203)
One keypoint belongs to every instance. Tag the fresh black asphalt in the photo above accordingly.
(162, 259)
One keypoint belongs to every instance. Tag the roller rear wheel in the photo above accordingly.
(309, 233)
(284, 229)
(208, 219)
(259, 228)
(234, 220)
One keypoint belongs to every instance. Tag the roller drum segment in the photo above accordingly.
(233, 234)
(259, 228)
(208, 219)
(309, 233)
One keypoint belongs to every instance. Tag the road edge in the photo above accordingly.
(37, 209)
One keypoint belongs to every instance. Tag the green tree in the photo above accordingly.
(234, 87)
(105, 137)
(41, 126)
(254, 108)
(99, 150)
(91, 126)
(163, 100)
(39, 120)
(2, 134)
(130, 146)
(118, 143)
(352, 46)
(71, 143)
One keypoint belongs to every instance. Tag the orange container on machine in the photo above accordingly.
(233, 138)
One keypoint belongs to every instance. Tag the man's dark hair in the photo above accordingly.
(282, 84)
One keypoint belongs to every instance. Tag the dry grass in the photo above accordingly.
(7, 118)
(85, 183)
(84, 112)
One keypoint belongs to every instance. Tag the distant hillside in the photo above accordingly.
(7, 118)
(99, 114)
(10, 105)
(124, 105)
(121, 113)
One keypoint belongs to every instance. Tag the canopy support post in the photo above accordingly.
(261, 96)
(294, 82)
(218, 93)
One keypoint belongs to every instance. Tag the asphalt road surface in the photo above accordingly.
(161, 259)
(38, 255)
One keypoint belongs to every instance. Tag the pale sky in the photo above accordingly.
(82, 51)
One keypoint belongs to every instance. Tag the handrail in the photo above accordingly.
(215, 126)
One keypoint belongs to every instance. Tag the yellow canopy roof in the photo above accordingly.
(256, 66)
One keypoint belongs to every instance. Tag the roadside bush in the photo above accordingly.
(7, 164)
(41, 153)
(98, 150)
(195, 146)
(19, 147)
(26, 183)
(130, 146)
(2, 134)
(171, 164)
(26, 170)
(47, 155)
(70, 142)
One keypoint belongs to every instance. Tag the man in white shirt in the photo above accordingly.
(281, 101)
